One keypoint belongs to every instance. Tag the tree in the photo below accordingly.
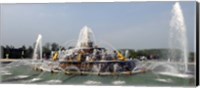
(133, 53)
(46, 50)
(54, 46)
(29, 52)
(192, 57)
(2, 52)
(23, 48)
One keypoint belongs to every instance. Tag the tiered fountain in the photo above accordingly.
(19, 71)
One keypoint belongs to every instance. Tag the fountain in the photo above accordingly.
(87, 58)
(68, 69)
(178, 37)
(38, 47)
(177, 63)
(127, 53)
(86, 38)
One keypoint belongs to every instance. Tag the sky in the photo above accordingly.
(133, 25)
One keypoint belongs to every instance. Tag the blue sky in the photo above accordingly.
(135, 25)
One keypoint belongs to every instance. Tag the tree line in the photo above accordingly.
(27, 52)
(10, 51)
